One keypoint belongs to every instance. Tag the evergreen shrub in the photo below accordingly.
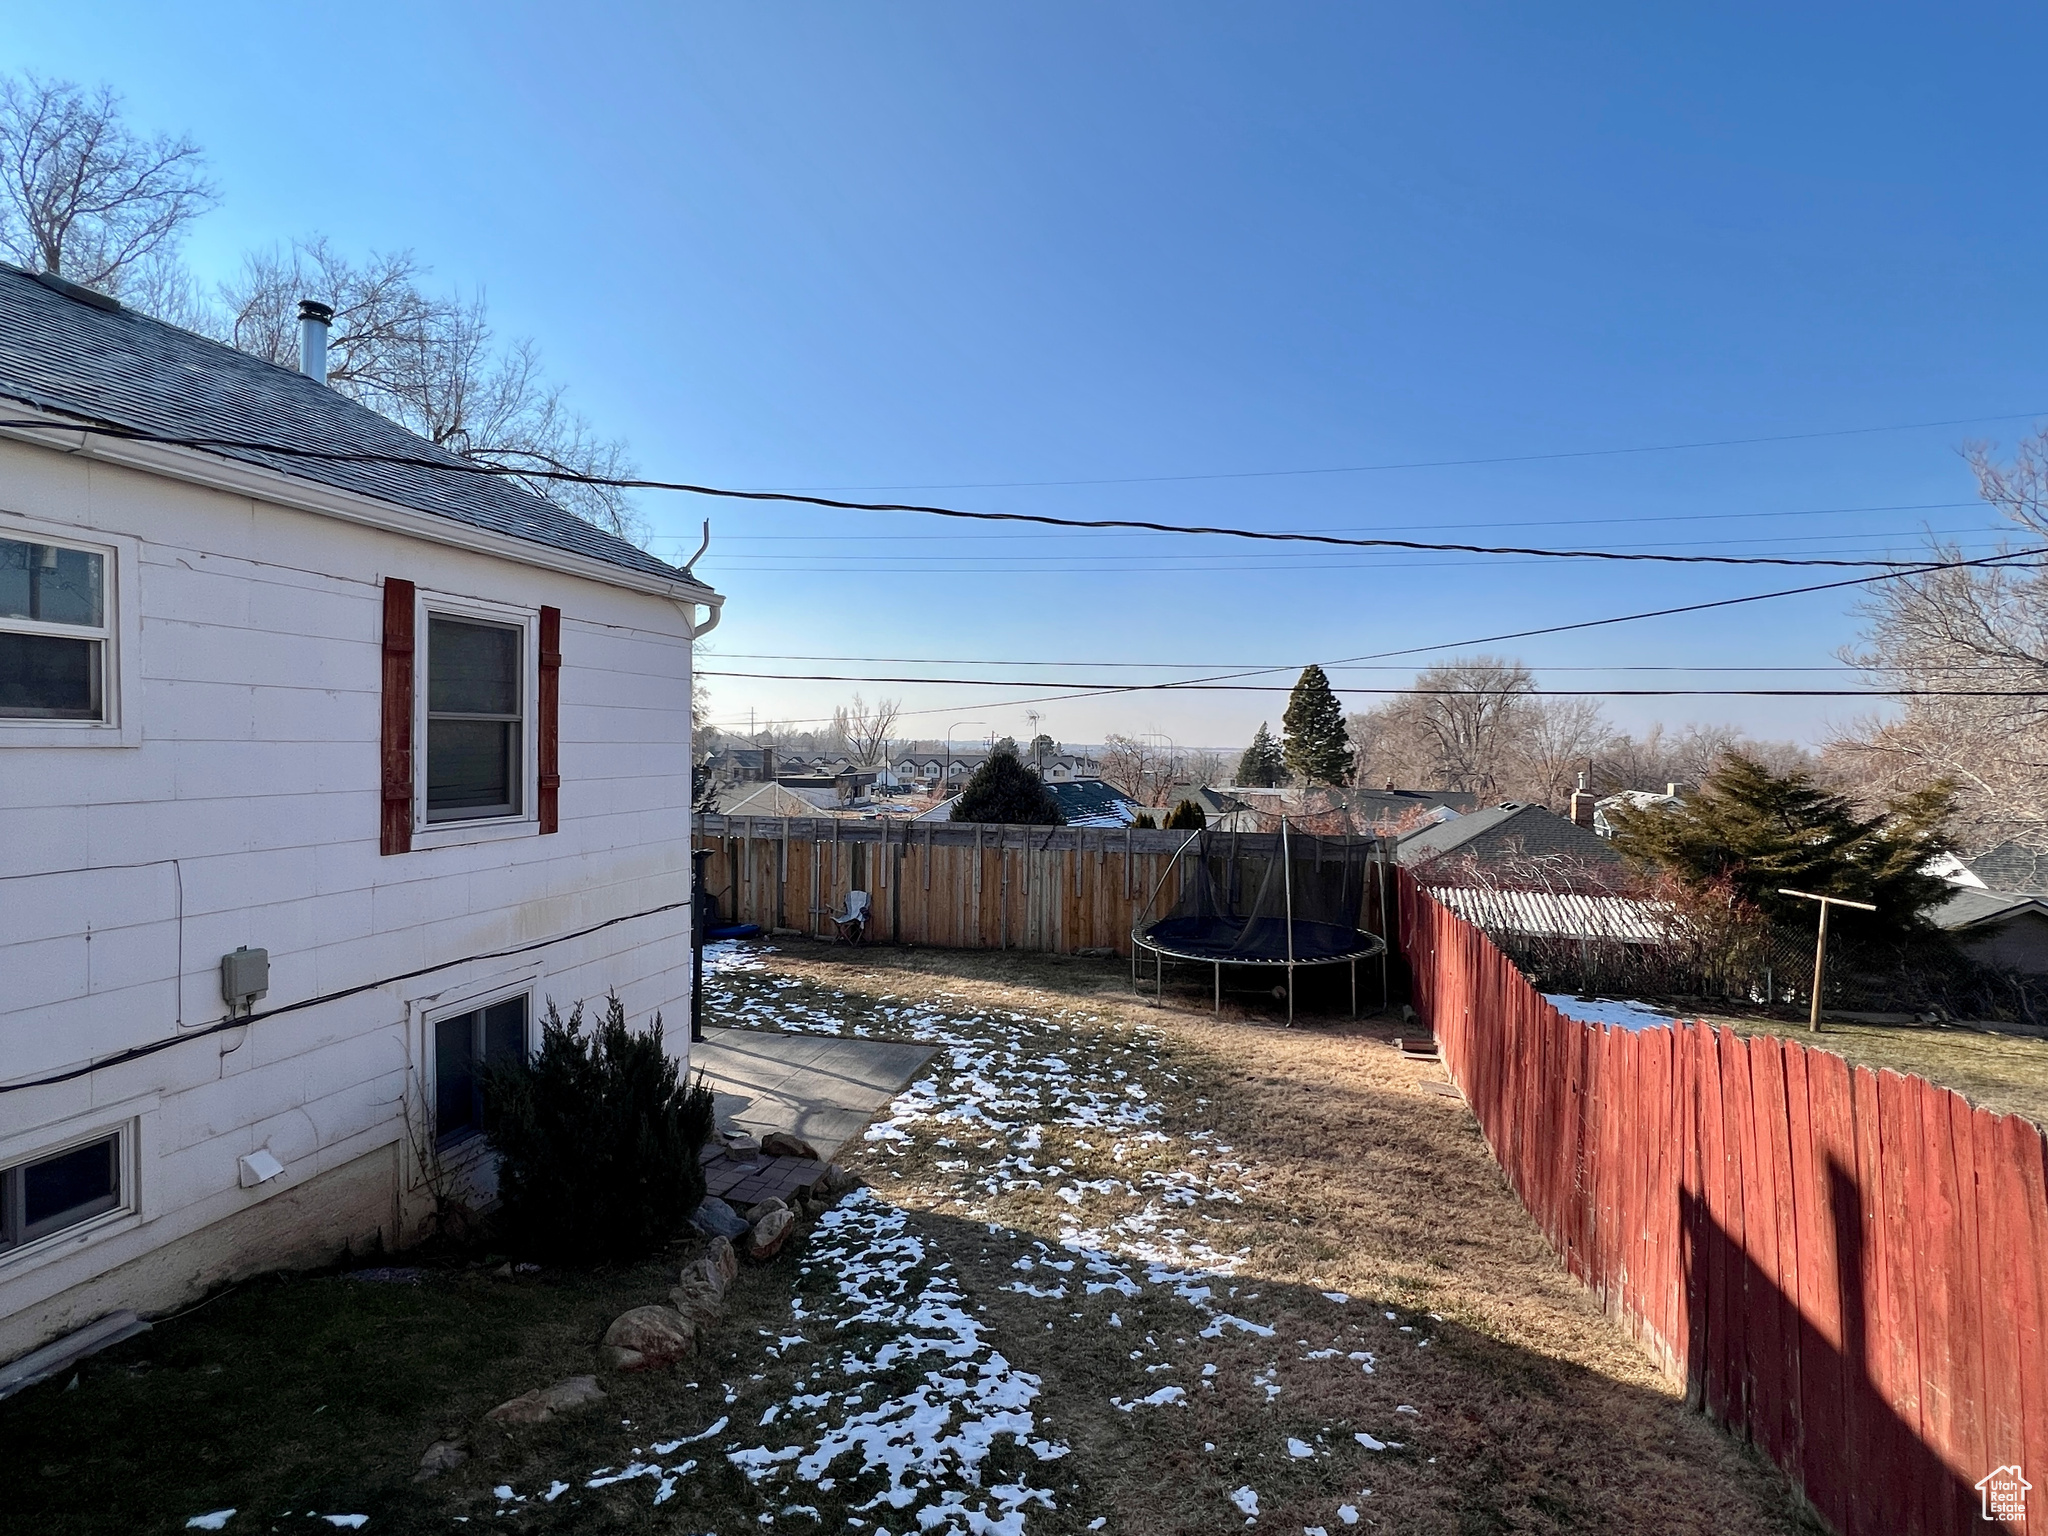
(597, 1139)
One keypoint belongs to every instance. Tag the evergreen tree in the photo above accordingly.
(1762, 831)
(1315, 746)
(1003, 790)
(1186, 817)
(1261, 767)
(597, 1140)
(1145, 822)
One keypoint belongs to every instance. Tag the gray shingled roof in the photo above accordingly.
(1968, 907)
(2011, 867)
(115, 367)
(1528, 829)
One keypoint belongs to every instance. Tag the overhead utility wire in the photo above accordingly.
(1505, 458)
(1555, 693)
(620, 482)
(1523, 634)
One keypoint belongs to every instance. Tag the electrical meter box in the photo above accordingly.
(244, 976)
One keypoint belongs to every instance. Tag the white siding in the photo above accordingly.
(247, 813)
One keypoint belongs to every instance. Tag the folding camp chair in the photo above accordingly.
(851, 924)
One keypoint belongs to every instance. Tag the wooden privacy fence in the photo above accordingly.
(1849, 1268)
(953, 885)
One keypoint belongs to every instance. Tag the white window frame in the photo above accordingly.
(463, 1153)
(120, 722)
(128, 1213)
(525, 822)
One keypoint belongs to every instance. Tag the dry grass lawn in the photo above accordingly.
(1534, 1412)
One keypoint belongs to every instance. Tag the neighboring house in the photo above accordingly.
(794, 795)
(1502, 832)
(778, 800)
(2004, 929)
(421, 739)
(742, 765)
(1628, 799)
(932, 763)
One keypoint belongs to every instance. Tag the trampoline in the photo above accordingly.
(1266, 901)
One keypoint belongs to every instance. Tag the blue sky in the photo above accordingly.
(970, 248)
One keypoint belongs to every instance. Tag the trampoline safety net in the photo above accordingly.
(1245, 905)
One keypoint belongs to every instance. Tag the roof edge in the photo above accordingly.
(238, 477)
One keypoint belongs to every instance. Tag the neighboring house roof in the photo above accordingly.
(781, 800)
(2011, 867)
(1558, 914)
(1630, 800)
(1503, 830)
(1970, 908)
(1092, 803)
(116, 367)
(943, 811)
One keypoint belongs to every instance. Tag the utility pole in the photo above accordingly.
(1820, 946)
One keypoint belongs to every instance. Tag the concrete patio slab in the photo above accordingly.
(824, 1088)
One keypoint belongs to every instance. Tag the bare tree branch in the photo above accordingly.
(83, 196)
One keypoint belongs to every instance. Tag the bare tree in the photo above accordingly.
(81, 194)
(1559, 739)
(430, 362)
(1142, 769)
(866, 728)
(1983, 629)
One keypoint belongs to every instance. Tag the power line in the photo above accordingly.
(1552, 629)
(1507, 458)
(1541, 522)
(574, 477)
(1555, 693)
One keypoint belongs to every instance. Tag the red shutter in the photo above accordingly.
(396, 753)
(548, 722)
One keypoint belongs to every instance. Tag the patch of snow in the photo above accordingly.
(210, 1522)
(1299, 1449)
(1625, 1014)
(1246, 1500)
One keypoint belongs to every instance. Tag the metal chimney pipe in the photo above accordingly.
(314, 318)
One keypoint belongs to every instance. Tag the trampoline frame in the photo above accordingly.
(1161, 953)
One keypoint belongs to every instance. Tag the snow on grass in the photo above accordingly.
(1299, 1449)
(1247, 1501)
(1625, 1014)
(210, 1522)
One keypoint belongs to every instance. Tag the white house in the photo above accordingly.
(418, 736)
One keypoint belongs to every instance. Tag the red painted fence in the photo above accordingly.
(1847, 1267)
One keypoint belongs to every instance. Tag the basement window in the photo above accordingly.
(47, 1194)
(466, 1046)
(54, 634)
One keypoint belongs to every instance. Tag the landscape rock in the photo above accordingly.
(543, 1403)
(720, 1252)
(783, 1144)
(769, 1234)
(700, 1292)
(838, 1181)
(442, 1456)
(715, 1218)
(738, 1144)
(762, 1208)
(647, 1337)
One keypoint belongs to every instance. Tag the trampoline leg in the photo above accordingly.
(1290, 997)
(1354, 989)
(1219, 988)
